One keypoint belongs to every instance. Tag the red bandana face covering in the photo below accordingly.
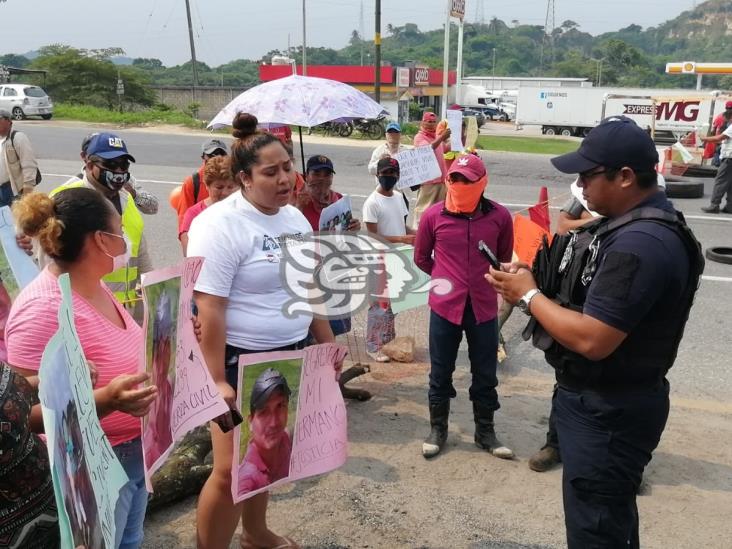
(463, 198)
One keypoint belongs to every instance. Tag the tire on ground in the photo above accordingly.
(684, 188)
(720, 254)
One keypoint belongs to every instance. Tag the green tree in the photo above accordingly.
(76, 77)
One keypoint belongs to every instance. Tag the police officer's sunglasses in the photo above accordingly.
(585, 177)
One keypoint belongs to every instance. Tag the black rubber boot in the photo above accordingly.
(433, 444)
(485, 434)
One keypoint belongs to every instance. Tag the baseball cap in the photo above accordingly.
(85, 142)
(616, 142)
(266, 384)
(429, 117)
(393, 127)
(468, 165)
(319, 162)
(4, 113)
(728, 105)
(108, 146)
(212, 145)
(388, 163)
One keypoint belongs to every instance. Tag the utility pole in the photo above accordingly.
(304, 42)
(193, 49)
(493, 67)
(377, 54)
(458, 82)
(445, 64)
(361, 31)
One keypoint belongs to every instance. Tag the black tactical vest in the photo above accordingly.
(564, 271)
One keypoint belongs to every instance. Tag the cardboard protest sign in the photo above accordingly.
(87, 476)
(471, 135)
(16, 268)
(417, 166)
(455, 123)
(187, 394)
(337, 216)
(295, 423)
(527, 238)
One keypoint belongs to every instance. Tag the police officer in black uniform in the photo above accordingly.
(608, 304)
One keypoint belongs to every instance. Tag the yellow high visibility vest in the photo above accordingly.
(121, 282)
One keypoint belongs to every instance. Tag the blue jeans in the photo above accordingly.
(129, 514)
(6, 194)
(445, 340)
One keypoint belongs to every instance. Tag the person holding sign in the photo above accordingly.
(433, 191)
(317, 193)
(81, 232)
(447, 247)
(241, 301)
(385, 214)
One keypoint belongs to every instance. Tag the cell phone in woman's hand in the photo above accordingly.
(229, 420)
(489, 255)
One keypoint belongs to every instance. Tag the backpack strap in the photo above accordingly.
(196, 186)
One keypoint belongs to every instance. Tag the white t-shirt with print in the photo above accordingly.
(242, 248)
(725, 151)
(388, 212)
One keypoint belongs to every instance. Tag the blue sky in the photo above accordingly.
(234, 29)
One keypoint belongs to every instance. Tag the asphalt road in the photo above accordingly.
(165, 158)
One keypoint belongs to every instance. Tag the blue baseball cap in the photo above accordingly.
(393, 127)
(108, 146)
(616, 142)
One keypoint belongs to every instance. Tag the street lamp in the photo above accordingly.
(598, 72)
(493, 85)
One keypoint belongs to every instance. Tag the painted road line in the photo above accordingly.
(717, 278)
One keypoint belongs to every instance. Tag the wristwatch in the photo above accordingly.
(525, 302)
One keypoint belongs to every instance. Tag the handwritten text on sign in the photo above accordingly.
(417, 166)
(187, 395)
(87, 474)
(318, 434)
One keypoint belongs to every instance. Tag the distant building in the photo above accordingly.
(418, 83)
(513, 83)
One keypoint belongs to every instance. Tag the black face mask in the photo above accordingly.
(112, 180)
(387, 182)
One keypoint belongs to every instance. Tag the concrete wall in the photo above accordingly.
(212, 99)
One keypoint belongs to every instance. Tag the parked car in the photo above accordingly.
(492, 112)
(479, 116)
(23, 100)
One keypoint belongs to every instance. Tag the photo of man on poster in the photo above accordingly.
(267, 458)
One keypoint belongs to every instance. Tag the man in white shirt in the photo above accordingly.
(385, 214)
(391, 147)
(723, 180)
(18, 166)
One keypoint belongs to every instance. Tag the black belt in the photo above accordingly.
(609, 386)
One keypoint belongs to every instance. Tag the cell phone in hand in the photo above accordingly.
(229, 420)
(489, 255)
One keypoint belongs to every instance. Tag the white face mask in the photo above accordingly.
(120, 261)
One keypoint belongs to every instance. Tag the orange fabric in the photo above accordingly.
(186, 197)
(464, 197)
(527, 237)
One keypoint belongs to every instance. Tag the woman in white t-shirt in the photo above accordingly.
(385, 214)
(240, 299)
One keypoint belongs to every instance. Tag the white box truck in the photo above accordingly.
(575, 111)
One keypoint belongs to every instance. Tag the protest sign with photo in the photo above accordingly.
(187, 394)
(294, 418)
(16, 267)
(417, 166)
(87, 476)
(337, 216)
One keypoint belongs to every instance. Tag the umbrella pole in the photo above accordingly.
(302, 150)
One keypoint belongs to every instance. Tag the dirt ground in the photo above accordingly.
(388, 496)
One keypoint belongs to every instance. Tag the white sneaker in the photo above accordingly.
(379, 357)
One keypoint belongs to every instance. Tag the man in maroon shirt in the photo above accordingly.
(447, 247)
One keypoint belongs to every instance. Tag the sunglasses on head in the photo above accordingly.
(118, 164)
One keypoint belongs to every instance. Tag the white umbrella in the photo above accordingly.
(300, 101)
